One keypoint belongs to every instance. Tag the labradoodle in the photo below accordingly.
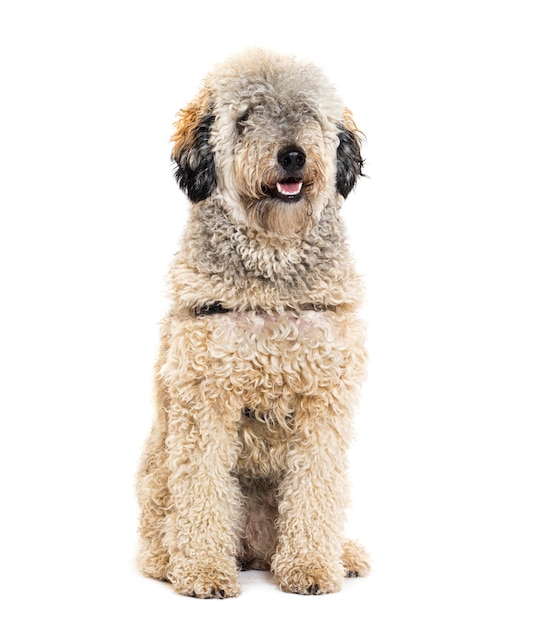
(261, 353)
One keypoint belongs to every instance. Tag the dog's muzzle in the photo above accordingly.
(292, 161)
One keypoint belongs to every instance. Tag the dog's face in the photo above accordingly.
(271, 137)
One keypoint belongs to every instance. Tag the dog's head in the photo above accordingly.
(271, 136)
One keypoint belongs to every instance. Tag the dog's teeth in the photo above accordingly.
(289, 189)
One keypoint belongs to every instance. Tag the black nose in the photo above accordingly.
(291, 159)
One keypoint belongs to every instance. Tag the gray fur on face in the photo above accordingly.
(228, 141)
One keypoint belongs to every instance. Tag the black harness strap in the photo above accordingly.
(215, 308)
(210, 309)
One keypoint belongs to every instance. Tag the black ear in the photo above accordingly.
(193, 154)
(349, 163)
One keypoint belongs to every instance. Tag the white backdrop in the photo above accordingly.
(444, 467)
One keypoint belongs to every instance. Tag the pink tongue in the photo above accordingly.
(290, 187)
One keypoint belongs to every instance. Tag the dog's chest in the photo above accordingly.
(260, 366)
(266, 354)
(264, 360)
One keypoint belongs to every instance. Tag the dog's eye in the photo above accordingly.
(241, 122)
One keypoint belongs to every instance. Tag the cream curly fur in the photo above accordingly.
(245, 464)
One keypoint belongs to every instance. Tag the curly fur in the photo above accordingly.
(261, 353)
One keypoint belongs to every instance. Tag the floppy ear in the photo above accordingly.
(349, 162)
(193, 155)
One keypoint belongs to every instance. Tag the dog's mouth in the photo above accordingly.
(288, 189)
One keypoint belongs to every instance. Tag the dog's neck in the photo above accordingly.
(250, 270)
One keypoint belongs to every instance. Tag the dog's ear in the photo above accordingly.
(349, 162)
(192, 152)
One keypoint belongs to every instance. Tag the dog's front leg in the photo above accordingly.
(313, 495)
(202, 526)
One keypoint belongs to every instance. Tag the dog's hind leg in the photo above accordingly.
(152, 484)
(153, 498)
(355, 559)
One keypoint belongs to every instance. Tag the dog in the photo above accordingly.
(262, 353)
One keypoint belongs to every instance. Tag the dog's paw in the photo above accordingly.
(314, 578)
(214, 592)
(355, 559)
(206, 582)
